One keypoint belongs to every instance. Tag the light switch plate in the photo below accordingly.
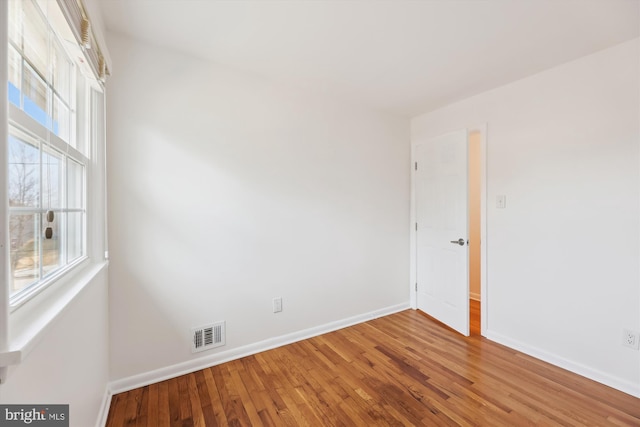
(501, 202)
(277, 304)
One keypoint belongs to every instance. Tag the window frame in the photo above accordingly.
(81, 147)
(47, 141)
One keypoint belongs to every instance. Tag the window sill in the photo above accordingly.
(54, 278)
(32, 321)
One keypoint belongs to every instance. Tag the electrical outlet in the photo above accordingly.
(630, 339)
(277, 305)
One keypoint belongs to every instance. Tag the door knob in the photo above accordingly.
(460, 242)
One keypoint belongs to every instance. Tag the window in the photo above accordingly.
(49, 155)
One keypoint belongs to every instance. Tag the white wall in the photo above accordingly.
(563, 257)
(227, 191)
(70, 365)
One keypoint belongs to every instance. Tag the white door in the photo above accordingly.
(442, 221)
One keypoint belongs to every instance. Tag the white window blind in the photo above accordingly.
(76, 14)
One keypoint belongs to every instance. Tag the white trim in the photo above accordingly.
(4, 222)
(96, 178)
(28, 294)
(103, 415)
(624, 386)
(413, 291)
(8, 358)
(40, 318)
(151, 377)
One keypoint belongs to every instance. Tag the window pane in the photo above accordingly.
(36, 37)
(75, 229)
(15, 11)
(61, 119)
(75, 184)
(35, 96)
(51, 179)
(24, 172)
(24, 231)
(51, 259)
(15, 79)
(61, 72)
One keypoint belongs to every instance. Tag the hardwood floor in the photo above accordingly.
(474, 317)
(402, 369)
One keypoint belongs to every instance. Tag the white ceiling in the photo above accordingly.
(405, 57)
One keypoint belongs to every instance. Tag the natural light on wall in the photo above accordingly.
(51, 84)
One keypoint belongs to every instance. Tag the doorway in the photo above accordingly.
(475, 188)
(449, 246)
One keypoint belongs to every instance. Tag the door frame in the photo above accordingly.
(484, 291)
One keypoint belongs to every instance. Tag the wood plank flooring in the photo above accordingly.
(399, 370)
(474, 317)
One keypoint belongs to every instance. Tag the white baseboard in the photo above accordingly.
(593, 374)
(474, 296)
(104, 408)
(151, 377)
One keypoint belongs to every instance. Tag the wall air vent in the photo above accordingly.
(208, 337)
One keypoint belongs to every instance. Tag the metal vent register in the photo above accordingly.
(207, 337)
